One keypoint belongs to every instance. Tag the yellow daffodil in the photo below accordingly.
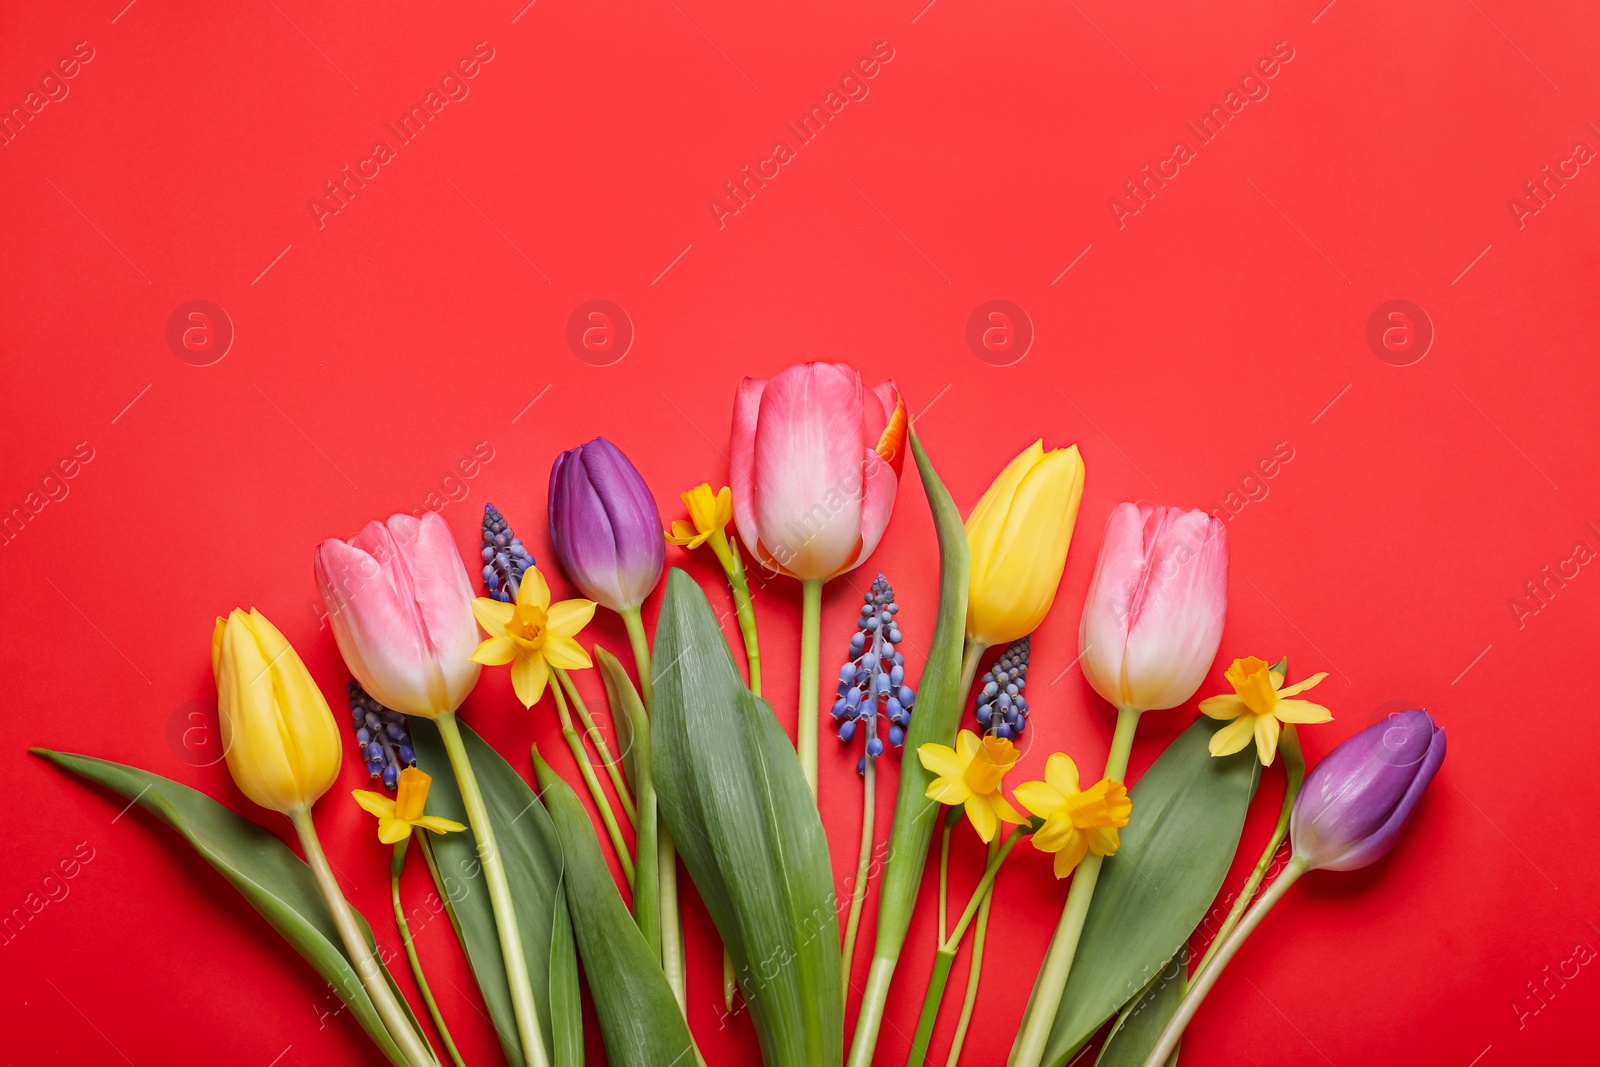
(397, 817)
(970, 774)
(1076, 822)
(532, 635)
(1257, 706)
(709, 516)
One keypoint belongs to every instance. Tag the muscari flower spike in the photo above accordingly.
(1002, 709)
(504, 557)
(382, 734)
(873, 681)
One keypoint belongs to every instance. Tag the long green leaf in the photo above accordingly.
(939, 703)
(275, 881)
(1141, 1021)
(633, 734)
(533, 860)
(639, 1017)
(1188, 813)
(746, 825)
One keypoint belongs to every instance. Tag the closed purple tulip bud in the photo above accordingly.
(605, 525)
(1357, 800)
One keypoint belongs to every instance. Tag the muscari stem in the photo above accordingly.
(944, 959)
(744, 609)
(520, 985)
(613, 766)
(601, 804)
(1294, 766)
(858, 891)
(806, 724)
(1041, 1016)
(361, 956)
(1206, 977)
(397, 866)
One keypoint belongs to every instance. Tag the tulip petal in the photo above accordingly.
(1103, 631)
(374, 803)
(1040, 798)
(1302, 711)
(742, 464)
(1226, 706)
(1233, 737)
(444, 596)
(1177, 612)
(565, 653)
(988, 515)
(378, 634)
(528, 677)
(495, 651)
(310, 736)
(252, 736)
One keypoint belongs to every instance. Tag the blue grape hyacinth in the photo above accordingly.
(504, 556)
(872, 683)
(1002, 709)
(382, 734)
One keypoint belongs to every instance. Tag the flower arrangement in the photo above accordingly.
(697, 773)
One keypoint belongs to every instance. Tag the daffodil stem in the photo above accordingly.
(1207, 976)
(585, 768)
(362, 958)
(613, 767)
(396, 867)
(944, 879)
(634, 623)
(1294, 766)
(1041, 1015)
(858, 889)
(974, 972)
(944, 959)
(505, 916)
(744, 609)
(806, 723)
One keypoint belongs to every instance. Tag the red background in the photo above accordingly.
(1178, 351)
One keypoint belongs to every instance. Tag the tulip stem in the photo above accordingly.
(1041, 1015)
(366, 964)
(858, 891)
(396, 866)
(641, 654)
(505, 915)
(612, 765)
(585, 768)
(806, 723)
(970, 657)
(1207, 976)
(1294, 765)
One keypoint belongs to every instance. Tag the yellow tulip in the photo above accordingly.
(281, 742)
(1018, 535)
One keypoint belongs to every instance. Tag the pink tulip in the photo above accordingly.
(401, 607)
(1153, 618)
(816, 461)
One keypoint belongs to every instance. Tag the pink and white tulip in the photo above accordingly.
(401, 607)
(1153, 618)
(816, 462)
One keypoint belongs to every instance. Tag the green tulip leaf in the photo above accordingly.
(275, 881)
(734, 799)
(1141, 1021)
(533, 860)
(633, 734)
(640, 1020)
(1188, 813)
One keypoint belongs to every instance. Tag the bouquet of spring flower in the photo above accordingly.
(698, 789)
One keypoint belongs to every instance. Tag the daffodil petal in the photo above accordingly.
(982, 817)
(1103, 841)
(950, 791)
(1233, 737)
(437, 825)
(495, 651)
(569, 616)
(374, 803)
(1041, 798)
(565, 653)
(491, 614)
(940, 760)
(1266, 738)
(1302, 711)
(1068, 858)
(534, 590)
(392, 830)
(967, 745)
(1226, 706)
(1054, 835)
(1062, 773)
(1004, 811)
(528, 677)
(1301, 687)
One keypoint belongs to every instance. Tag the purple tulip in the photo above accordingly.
(605, 525)
(1357, 800)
